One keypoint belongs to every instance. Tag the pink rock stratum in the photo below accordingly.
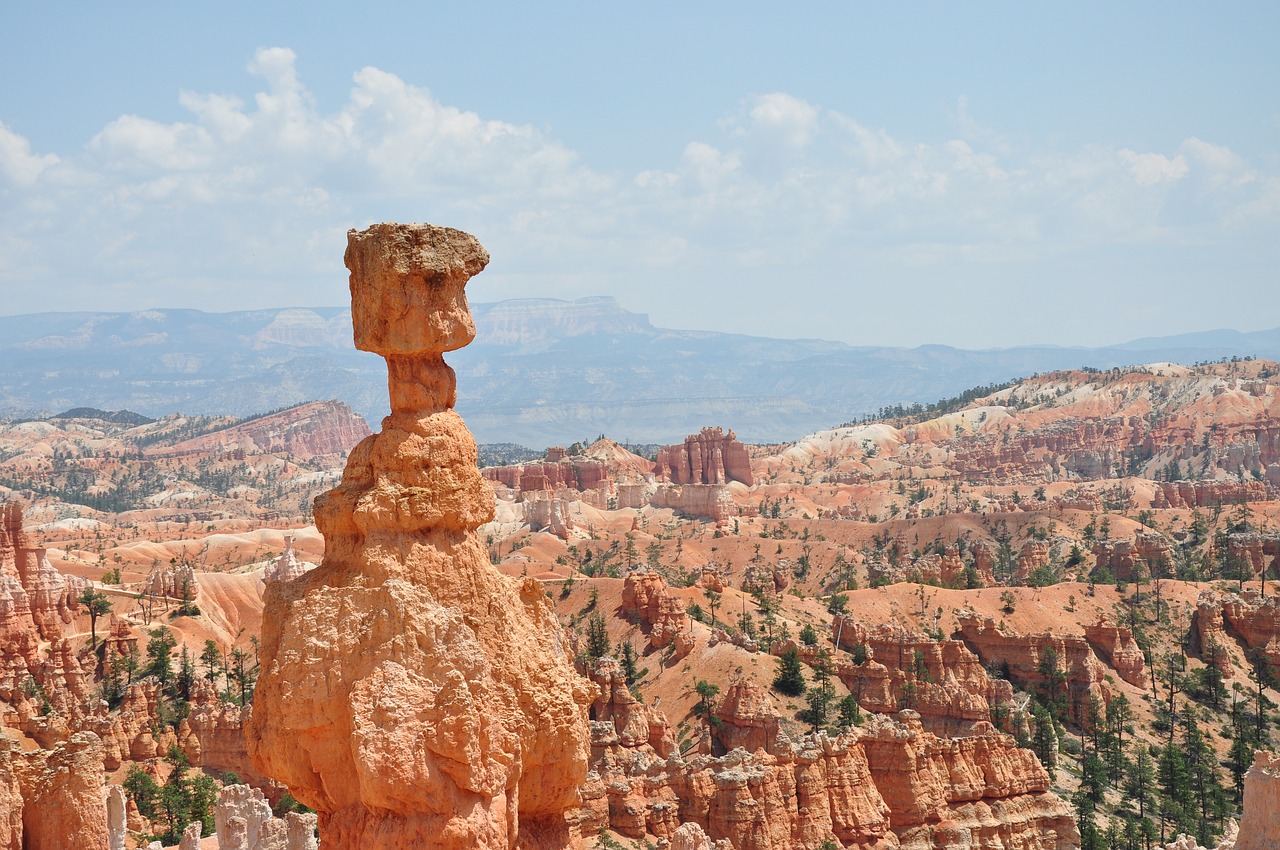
(410, 693)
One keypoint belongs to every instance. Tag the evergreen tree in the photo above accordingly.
(159, 654)
(1044, 737)
(627, 658)
(1111, 744)
(1053, 686)
(1139, 785)
(703, 708)
(1177, 808)
(821, 692)
(1208, 797)
(598, 644)
(211, 657)
(790, 677)
(850, 713)
(96, 604)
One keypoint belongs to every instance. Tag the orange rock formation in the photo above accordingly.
(409, 692)
(708, 457)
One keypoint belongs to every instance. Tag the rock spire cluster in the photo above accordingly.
(410, 693)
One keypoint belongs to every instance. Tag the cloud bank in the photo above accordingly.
(794, 220)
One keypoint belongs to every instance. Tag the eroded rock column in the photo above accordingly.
(410, 693)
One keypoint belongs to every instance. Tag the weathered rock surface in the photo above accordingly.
(944, 681)
(1260, 824)
(708, 457)
(748, 718)
(889, 784)
(1148, 554)
(286, 566)
(10, 797)
(409, 692)
(47, 600)
(64, 796)
(709, 501)
(647, 598)
(1206, 494)
(549, 514)
(1115, 645)
(176, 582)
(1028, 658)
(315, 429)
(1248, 616)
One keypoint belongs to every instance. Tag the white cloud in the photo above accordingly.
(17, 163)
(789, 119)
(248, 201)
(1148, 169)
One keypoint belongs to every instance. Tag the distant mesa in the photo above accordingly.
(540, 372)
(117, 417)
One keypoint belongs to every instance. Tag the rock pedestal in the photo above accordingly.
(410, 693)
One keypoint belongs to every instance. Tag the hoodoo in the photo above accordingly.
(410, 693)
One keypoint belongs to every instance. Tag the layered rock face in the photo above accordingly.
(315, 429)
(942, 680)
(577, 474)
(708, 457)
(1206, 494)
(1251, 617)
(64, 795)
(1029, 657)
(661, 614)
(888, 784)
(1258, 552)
(10, 797)
(410, 693)
(711, 501)
(36, 588)
(1260, 824)
(1121, 651)
(1148, 553)
(286, 566)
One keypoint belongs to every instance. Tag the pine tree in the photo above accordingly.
(850, 713)
(1139, 785)
(790, 677)
(1044, 738)
(96, 604)
(706, 692)
(627, 658)
(1177, 808)
(1111, 745)
(1208, 797)
(598, 644)
(211, 657)
(821, 692)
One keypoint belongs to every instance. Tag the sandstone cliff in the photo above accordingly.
(708, 457)
(1041, 661)
(1260, 824)
(409, 692)
(889, 784)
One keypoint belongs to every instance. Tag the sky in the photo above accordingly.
(977, 174)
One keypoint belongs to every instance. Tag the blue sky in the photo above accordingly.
(971, 174)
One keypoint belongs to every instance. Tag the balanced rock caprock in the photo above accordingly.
(410, 693)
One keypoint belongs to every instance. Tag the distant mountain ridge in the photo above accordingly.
(540, 372)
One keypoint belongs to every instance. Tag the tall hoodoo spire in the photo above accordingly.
(410, 693)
